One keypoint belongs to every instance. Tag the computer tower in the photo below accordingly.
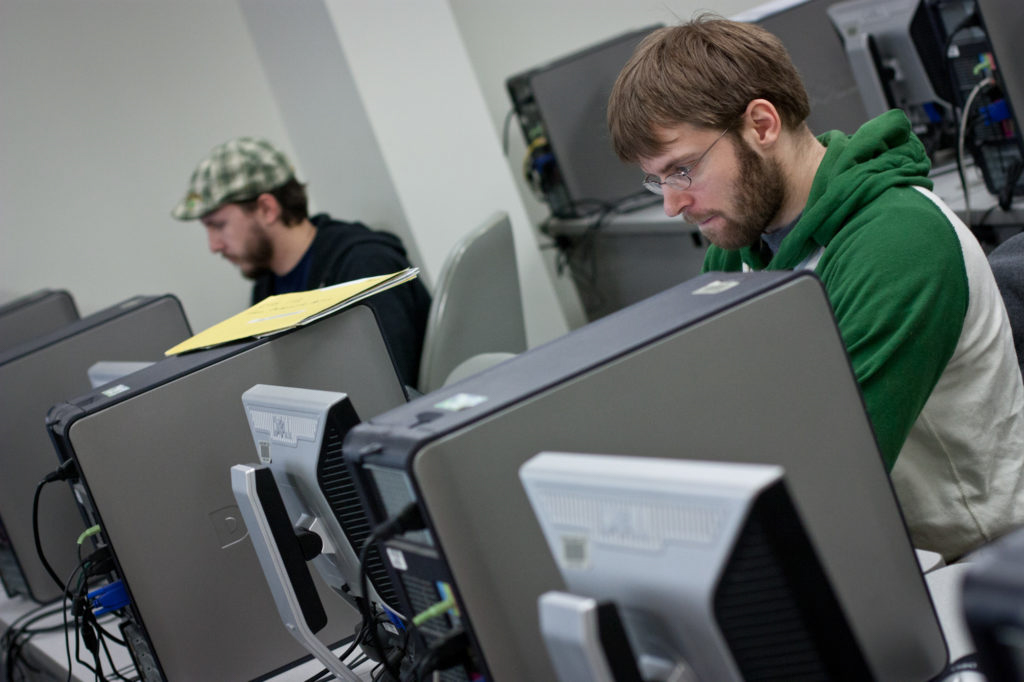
(562, 108)
(35, 375)
(35, 314)
(155, 462)
(742, 367)
(993, 135)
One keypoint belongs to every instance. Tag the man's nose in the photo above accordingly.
(215, 243)
(675, 201)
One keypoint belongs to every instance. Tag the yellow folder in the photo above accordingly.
(275, 314)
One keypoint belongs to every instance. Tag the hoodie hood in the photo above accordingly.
(884, 153)
(354, 233)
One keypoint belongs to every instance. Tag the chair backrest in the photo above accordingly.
(1007, 262)
(477, 306)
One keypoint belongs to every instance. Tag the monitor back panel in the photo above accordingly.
(820, 57)
(156, 467)
(35, 376)
(764, 380)
(30, 316)
(566, 102)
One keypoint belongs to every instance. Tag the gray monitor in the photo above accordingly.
(725, 367)
(35, 314)
(155, 462)
(707, 565)
(817, 52)
(35, 375)
(886, 63)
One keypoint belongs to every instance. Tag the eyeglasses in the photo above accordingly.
(681, 179)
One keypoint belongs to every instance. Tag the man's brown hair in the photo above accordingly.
(704, 73)
(292, 198)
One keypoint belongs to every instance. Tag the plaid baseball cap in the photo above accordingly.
(238, 170)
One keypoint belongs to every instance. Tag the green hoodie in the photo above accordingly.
(891, 263)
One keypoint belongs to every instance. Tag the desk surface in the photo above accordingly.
(48, 651)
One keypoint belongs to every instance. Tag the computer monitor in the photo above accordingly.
(297, 433)
(155, 461)
(818, 53)
(745, 367)
(35, 375)
(35, 314)
(888, 67)
(300, 505)
(707, 564)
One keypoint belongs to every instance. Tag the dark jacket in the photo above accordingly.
(343, 252)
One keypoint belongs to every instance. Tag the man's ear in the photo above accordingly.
(763, 123)
(268, 208)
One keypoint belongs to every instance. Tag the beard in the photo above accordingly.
(255, 260)
(760, 191)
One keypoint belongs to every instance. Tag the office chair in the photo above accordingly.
(1007, 262)
(477, 309)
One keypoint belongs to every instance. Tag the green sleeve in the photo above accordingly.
(898, 285)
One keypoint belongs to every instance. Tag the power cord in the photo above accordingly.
(961, 138)
(86, 626)
(18, 634)
(64, 472)
(442, 654)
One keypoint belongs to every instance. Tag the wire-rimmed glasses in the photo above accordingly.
(682, 178)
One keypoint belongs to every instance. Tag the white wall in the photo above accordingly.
(334, 142)
(107, 106)
(430, 120)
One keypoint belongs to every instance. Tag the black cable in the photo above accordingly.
(66, 588)
(92, 641)
(356, 641)
(1010, 184)
(407, 519)
(35, 535)
(104, 636)
(441, 655)
(582, 250)
(61, 473)
(19, 632)
(366, 607)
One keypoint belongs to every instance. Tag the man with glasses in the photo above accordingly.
(255, 213)
(713, 111)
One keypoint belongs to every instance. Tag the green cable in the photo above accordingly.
(433, 611)
(87, 532)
